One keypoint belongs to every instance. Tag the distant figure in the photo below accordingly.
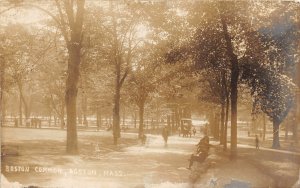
(39, 123)
(256, 142)
(179, 131)
(109, 127)
(184, 131)
(194, 131)
(144, 138)
(32, 122)
(16, 122)
(165, 135)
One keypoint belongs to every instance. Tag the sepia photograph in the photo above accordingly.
(150, 93)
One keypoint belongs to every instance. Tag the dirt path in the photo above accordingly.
(131, 164)
(128, 165)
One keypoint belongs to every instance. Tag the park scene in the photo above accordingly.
(149, 94)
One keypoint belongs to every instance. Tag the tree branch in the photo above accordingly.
(124, 76)
(62, 23)
(69, 11)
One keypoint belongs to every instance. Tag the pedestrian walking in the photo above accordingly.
(16, 122)
(165, 135)
(194, 131)
(143, 139)
(256, 142)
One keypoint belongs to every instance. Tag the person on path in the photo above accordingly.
(143, 139)
(165, 135)
(256, 142)
(194, 131)
(16, 122)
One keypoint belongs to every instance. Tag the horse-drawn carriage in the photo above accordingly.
(186, 127)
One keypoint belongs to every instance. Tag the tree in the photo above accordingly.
(71, 29)
(211, 48)
(225, 36)
(52, 80)
(121, 46)
(270, 74)
(272, 92)
(142, 85)
(21, 63)
(70, 22)
(214, 90)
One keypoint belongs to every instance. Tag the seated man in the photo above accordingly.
(202, 151)
(203, 145)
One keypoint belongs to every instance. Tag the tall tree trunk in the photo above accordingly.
(84, 106)
(234, 79)
(72, 33)
(172, 122)
(226, 124)
(71, 96)
(79, 116)
(62, 115)
(116, 110)
(2, 97)
(23, 102)
(168, 122)
(176, 118)
(55, 118)
(141, 118)
(223, 105)
(295, 123)
(225, 102)
(50, 118)
(158, 116)
(276, 143)
(222, 122)
(20, 110)
(286, 132)
(233, 87)
(26, 108)
(62, 121)
(297, 102)
(124, 116)
(264, 128)
(135, 119)
(217, 125)
(117, 61)
(99, 118)
(295, 130)
(3, 111)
